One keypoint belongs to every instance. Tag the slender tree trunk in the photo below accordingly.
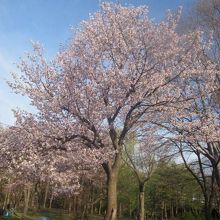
(165, 211)
(84, 213)
(172, 210)
(8, 198)
(92, 201)
(141, 202)
(27, 193)
(5, 200)
(162, 207)
(100, 207)
(74, 204)
(92, 209)
(32, 200)
(46, 194)
(120, 210)
(51, 200)
(70, 205)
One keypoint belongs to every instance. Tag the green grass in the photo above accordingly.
(57, 214)
(53, 214)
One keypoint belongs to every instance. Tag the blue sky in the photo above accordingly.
(48, 22)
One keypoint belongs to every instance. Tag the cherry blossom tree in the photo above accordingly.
(119, 70)
(27, 165)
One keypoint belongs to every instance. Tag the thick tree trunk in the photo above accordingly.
(111, 213)
(111, 170)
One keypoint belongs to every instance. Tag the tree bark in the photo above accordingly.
(141, 202)
(112, 179)
(46, 194)
(27, 193)
(165, 211)
(172, 210)
(120, 210)
(51, 200)
(70, 206)
(7, 199)
(111, 213)
(100, 207)
(92, 202)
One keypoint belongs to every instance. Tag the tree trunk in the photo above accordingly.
(100, 207)
(74, 204)
(216, 168)
(111, 213)
(165, 211)
(46, 194)
(141, 202)
(112, 178)
(7, 199)
(32, 202)
(162, 207)
(92, 202)
(120, 210)
(51, 200)
(84, 213)
(70, 205)
(172, 210)
(27, 193)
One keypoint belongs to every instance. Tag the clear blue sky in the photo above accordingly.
(48, 22)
